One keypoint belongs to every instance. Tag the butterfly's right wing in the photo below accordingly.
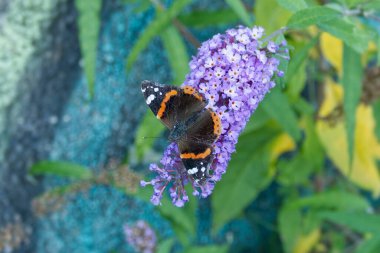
(196, 147)
(171, 104)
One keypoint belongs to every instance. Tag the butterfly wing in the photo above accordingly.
(171, 104)
(196, 147)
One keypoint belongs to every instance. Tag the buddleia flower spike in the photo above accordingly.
(233, 72)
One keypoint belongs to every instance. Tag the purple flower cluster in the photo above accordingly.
(141, 237)
(233, 71)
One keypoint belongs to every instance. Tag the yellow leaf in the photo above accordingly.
(305, 243)
(372, 46)
(332, 49)
(364, 171)
(280, 145)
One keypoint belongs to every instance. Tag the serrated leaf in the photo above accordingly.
(246, 176)
(238, 7)
(208, 249)
(89, 25)
(277, 105)
(348, 32)
(310, 16)
(62, 169)
(176, 52)
(161, 22)
(358, 221)
(352, 84)
(165, 246)
(205, 18)
(292, 5)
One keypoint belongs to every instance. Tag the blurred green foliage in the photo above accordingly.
(317, 117)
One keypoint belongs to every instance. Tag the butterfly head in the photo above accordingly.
(178, 131)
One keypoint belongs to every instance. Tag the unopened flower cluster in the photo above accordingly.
(141, 237)
(233, 71)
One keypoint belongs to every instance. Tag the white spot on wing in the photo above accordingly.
(150, 99)
(192, 171)
(203, 169)
(155, 89)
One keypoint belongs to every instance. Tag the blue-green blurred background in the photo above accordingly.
(305, 177)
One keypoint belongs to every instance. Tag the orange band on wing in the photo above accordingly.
(196, 156)
(191, 91)
(164, 101)
(217, 123)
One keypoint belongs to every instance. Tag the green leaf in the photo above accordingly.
(376, 114)
(292, 5)
(371, 5)
(206, 18)
(208, 249)
(258, 120)
(62, 169)
(352, 84)
(165, 246)
(289, 224)
(176, 52)
(371, 245)
(149, 127)
(247, 175)
(333, 200)
(161, 22)
(310, 158)
(347, 31)
(299, 56)
(89, 25)
(352, 3)
(378, 49)
(238, 7)
(284, 62)
(358, 221)
(310, 16)
(276, 104)
(278, 16)
(312, 149)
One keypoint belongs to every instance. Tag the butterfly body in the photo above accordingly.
(192, 126)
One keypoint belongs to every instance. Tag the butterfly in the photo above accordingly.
(192, 126)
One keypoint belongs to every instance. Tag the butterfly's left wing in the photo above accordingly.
(196, 149)
(171, 104)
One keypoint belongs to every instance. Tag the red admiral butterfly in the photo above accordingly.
(192, 126)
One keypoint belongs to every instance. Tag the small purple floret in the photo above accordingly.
(141, 237)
